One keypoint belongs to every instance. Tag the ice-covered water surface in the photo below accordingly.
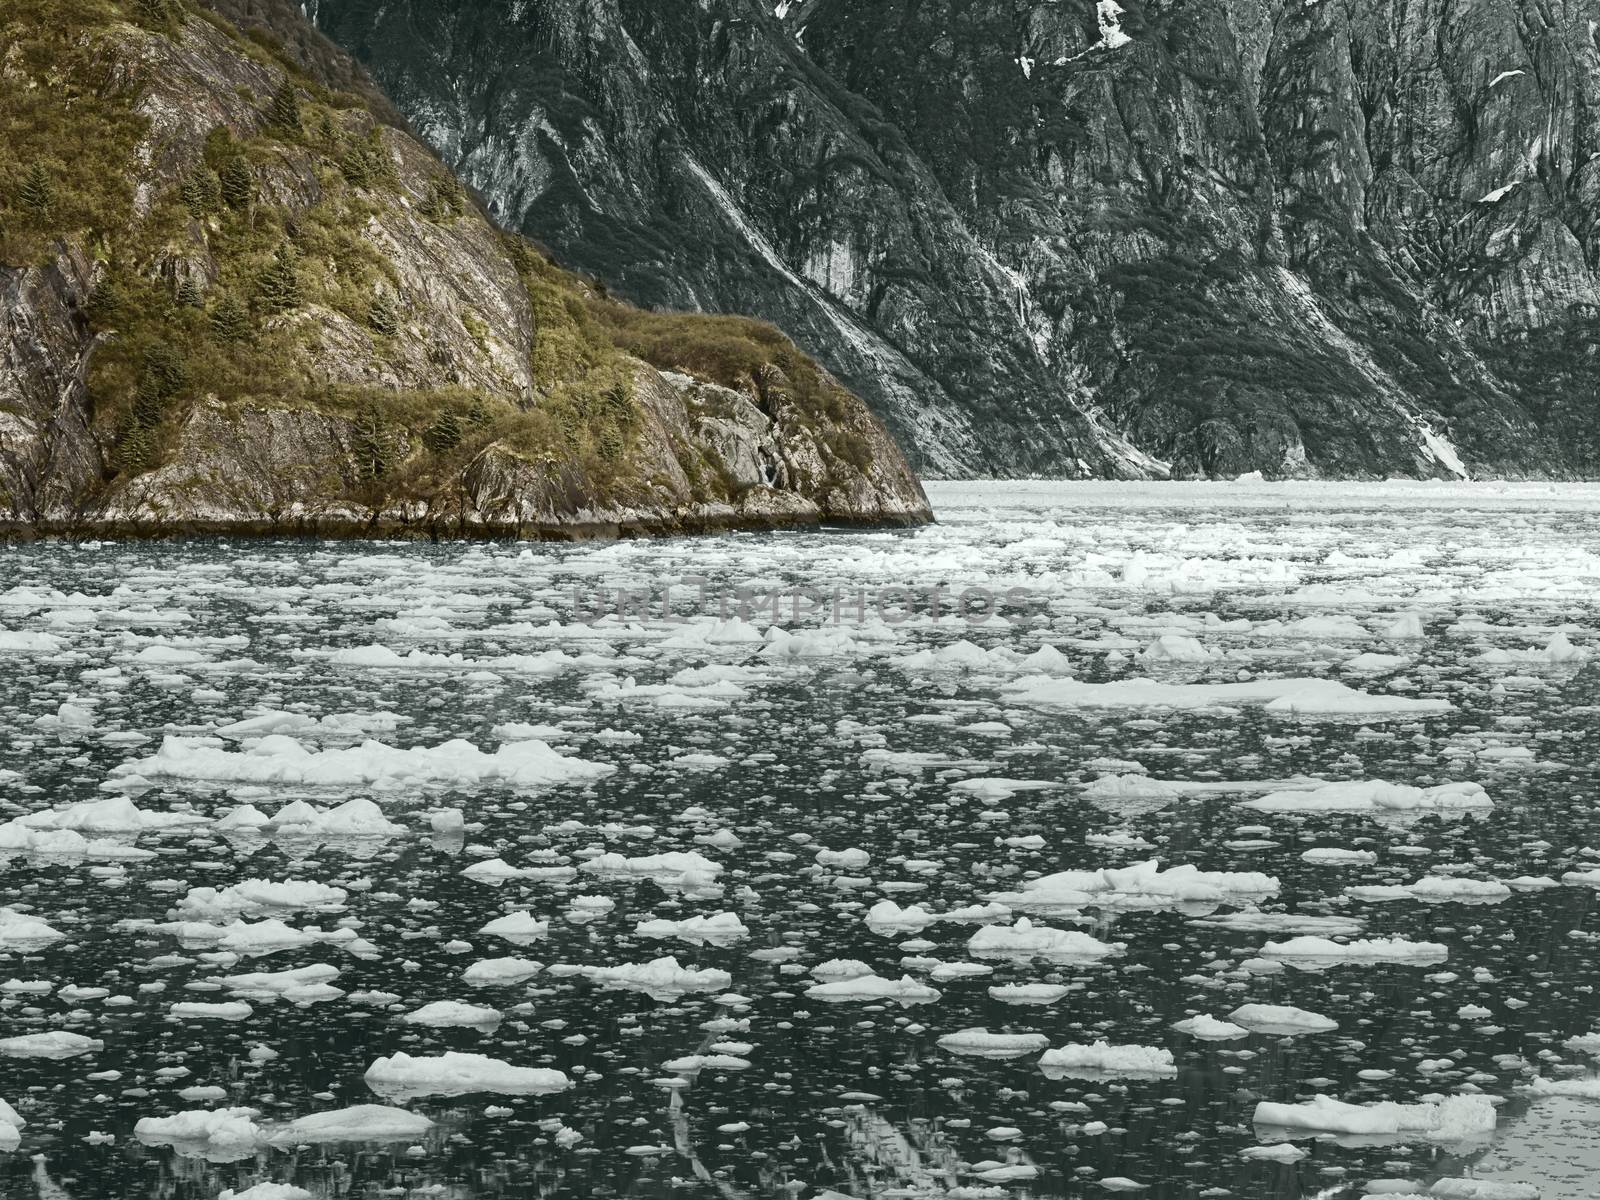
(1249, 848)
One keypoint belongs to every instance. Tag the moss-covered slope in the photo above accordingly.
(235, 298)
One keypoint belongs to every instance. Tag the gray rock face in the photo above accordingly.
(492, 400)
(1073, 236)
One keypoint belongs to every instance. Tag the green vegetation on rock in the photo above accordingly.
(265, 260)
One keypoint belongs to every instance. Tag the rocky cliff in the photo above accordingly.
(236, 296)
(1074, 236)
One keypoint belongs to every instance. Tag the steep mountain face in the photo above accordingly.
(1074, 236)
(235, 297)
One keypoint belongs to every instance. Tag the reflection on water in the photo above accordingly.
(858, 1096)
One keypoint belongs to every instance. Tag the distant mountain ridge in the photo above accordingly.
(1075, 237)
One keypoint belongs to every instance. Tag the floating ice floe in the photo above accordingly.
(199, 1010)
(11, 1125)
(358, 1123)
(1208, 1028)
(456, 1074)
(254, 897)
(717, 929)
(334, 725)
(1028, 993)
(24, 641)
(299, 985)
(1304, 697)
(996, 788)
(685, 870)
(1435, 889)
(278, 759)
(216, 1134)
(358, 818)
(54, 1044)
(905, 990)
(661, 978)
(980, 1043)
(442, 1014)
(1338, 856)
(1027, 940)
(261, 937)
(20, 931)
(1447, 1118)
(1318, 950)
(1143, 885)
(886, 918)
(1587, 1088)
(267, 1191)
(1374, 795)
(1101, 1059)
(1281, 1019)
(112, 814)
(500, 972)
(516, 927)
(1177, 648)
(851, 859)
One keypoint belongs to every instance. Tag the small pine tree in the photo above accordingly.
(36, 195)
(166, 366)
(135, 450)
(105, 307)
(383, 316)
(237, 183)
(201, 193)
(284, 110)
(357, 170)
(230, 320)
(148, 402)
(612, 443)
(369, 445)
(188, 293)
(444, 434)
(278, 287)
(442, 205)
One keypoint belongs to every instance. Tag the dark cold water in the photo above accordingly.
(758, 751)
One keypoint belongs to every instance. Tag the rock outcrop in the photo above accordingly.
(235, 296)
(1083, 237)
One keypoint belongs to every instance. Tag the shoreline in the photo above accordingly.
(454, 530)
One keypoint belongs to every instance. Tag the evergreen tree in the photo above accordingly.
(369, 444)
(238, 184)
(105, 306)
(357, 170)
(201, 193)
(147, 402)
(135, 448)
(383, 316)
(367, 162)
(612, 443)
(278, 287)
(37, 195)
(444, 434)
(166, 366)
(163, 377)
(230, 321)
(284, 111)
(442, 204)
(188, 294)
